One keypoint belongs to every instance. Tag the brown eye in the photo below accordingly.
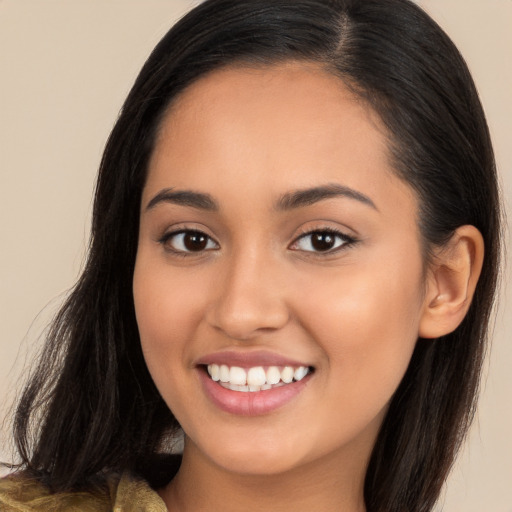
(188, 241)
(322, 241)
(195, 241)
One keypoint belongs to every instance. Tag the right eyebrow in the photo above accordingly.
(190, 198)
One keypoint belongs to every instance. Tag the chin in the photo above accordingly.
(260, 464)
(252, 455)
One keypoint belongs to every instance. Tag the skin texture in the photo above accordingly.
(247, 137)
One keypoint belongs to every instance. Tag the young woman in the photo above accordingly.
(294, 254)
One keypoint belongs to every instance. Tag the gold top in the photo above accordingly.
(127, 493)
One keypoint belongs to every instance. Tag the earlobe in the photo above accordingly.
(451, 282)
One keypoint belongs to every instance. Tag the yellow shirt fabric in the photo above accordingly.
(127, 493)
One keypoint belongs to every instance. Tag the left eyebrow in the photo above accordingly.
(184, 198)
(309, 196)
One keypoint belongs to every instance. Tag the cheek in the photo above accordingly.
(165, 319)
(366, 322)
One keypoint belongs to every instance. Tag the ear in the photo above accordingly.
(451, 282)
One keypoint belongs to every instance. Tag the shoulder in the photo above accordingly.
(128, 493)
(22, 493)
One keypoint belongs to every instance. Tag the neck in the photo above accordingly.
(323, 485)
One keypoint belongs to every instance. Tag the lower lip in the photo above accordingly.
(251, 403)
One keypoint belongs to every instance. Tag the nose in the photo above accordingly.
(251, 298)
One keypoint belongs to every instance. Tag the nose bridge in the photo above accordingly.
(250, 297)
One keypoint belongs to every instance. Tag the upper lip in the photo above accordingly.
(248, 359)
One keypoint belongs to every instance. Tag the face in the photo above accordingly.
(278, 251)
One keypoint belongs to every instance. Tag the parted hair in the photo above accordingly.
(90, 405)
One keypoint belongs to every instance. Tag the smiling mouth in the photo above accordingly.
(256, 378)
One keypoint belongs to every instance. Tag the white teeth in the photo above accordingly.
(273, 375)
(213, 370)
(300, 373)
(237, 376)
(287, 374)
(256, 378)
(224, 373)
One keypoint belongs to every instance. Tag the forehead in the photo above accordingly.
(268, 129)
(280, 95)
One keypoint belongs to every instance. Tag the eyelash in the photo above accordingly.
(346, 241)
(164, 241)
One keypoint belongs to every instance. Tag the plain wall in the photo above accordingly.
(66, 67)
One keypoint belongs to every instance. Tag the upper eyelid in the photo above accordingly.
(324, 229)
(184, 228)
(305, 232)
(175, 232)
(331, 230)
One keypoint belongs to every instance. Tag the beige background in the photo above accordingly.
(66, 66)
